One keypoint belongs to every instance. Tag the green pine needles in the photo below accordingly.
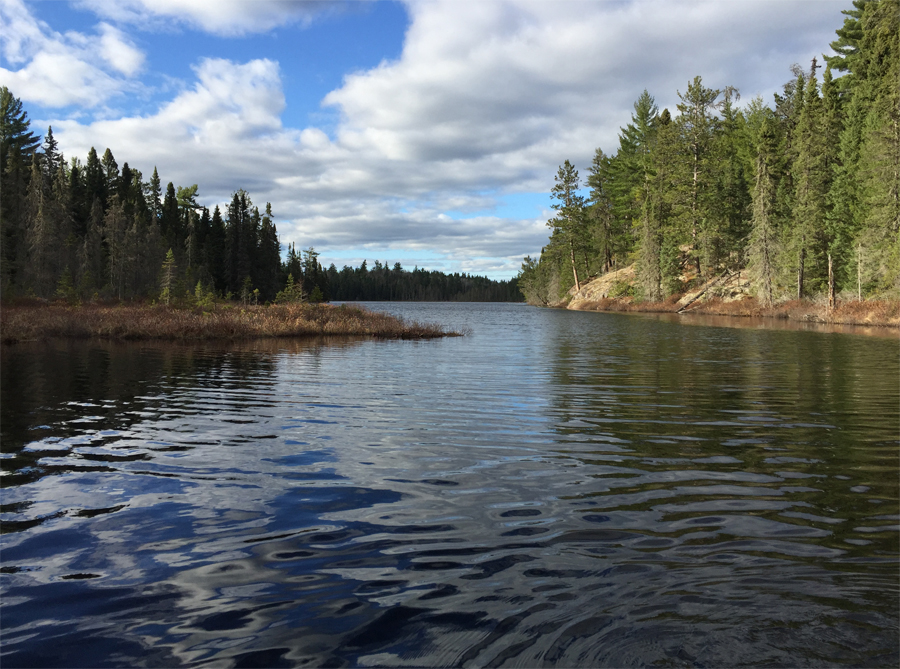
(804, 195)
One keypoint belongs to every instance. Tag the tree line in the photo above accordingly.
(89, 229)
(803, 194)
(383, 282)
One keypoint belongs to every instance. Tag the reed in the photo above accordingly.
(24, 322)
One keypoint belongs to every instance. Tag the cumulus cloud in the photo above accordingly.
(118, 52)
(58, 70)
(223, 17)
(486, 99)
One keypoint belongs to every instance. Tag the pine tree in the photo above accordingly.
(189, 223)
(846, 46)
(698, 126)
(568, 224)
(17, 146)
(763, 246)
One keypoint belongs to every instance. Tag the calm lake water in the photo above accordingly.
(554, 489)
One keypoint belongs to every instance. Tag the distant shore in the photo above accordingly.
(31, 322)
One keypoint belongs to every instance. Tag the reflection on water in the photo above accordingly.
(574, 489)
(769, 323)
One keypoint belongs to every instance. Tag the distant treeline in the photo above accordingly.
(804, 194)
(92, 230)
(383, 282)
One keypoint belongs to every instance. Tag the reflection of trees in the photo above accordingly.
(61, 389)
(696, 408)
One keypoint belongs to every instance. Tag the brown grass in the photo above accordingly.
(626, 305)
(868, 312)
(135, 322)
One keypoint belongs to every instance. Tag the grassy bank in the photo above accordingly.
(21, 322)
(885, 313)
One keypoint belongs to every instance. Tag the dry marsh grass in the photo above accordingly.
(137, 322)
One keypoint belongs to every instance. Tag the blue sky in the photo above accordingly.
(421, 132)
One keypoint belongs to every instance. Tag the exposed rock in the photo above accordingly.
(727, 287)
(602, 286)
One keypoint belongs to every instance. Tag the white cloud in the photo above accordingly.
(58, 70)
(119, 52)
(487, 98)
(223, 17)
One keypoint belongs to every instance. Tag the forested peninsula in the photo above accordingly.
(789, 209)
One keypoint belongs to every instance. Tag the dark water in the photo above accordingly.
(555, 489)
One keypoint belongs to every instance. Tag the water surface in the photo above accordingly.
(555, 489)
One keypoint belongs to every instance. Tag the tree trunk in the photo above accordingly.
(695, 242)
(831, 300)
(574, 267)
(800, 273)
(859, 272)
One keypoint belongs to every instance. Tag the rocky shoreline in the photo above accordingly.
(728, 295)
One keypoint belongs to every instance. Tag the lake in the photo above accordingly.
(556, 488)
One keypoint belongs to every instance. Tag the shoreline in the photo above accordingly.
(873, 315)
(139, 322)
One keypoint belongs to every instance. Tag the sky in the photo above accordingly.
(425, 133)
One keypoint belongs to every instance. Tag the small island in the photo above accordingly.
(225, 322)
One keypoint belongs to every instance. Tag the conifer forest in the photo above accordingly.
(92, 230)
(803, 195)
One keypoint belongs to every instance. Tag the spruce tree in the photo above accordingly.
(600, 213)
(153, 193)
(94, 180)
(40, 233)
(110, 173)
(53, 160)
(170, 219)
(730, 197)
(168, 274)
(115, 230)
(811, 177)
(80, 208)
(216, 252)
(92, 268)
(878, 71)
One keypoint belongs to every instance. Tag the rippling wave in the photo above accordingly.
(566, 489)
